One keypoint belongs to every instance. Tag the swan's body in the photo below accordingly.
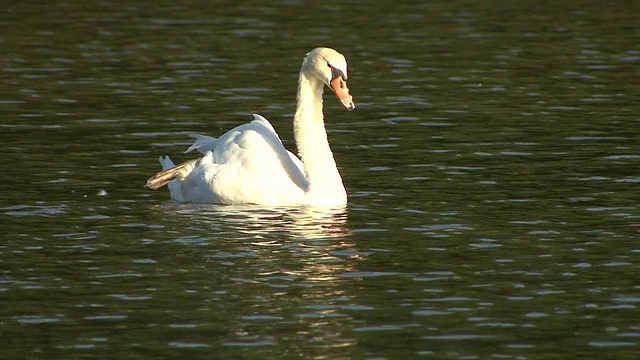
(250, 165)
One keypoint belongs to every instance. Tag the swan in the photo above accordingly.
(250, 165)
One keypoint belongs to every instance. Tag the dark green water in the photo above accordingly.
(492, 166)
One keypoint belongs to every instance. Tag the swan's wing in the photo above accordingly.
(259, 119)
(262, 120)
(247, 164)
(203, 143)
(296, 160)
(251, 160)
(256, 145)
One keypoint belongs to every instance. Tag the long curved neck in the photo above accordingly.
(325, 183)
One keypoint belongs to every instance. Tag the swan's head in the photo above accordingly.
(331, 67)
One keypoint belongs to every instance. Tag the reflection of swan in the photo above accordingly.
(263, 265)
(249, 164)
(299, 223)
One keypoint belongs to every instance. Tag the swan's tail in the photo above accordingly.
(166, 176)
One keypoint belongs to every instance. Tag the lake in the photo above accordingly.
(491, 164)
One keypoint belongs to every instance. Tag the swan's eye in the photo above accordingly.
(335, 73)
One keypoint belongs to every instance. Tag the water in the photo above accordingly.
(491, 166)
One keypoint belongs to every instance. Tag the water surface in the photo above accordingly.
(491, 166)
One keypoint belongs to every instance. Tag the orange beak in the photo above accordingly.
(339, 87)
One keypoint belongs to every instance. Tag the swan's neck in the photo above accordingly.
(325, 183)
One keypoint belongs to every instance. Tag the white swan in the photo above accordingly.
(249, 164)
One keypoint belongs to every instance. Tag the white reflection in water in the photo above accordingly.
(302, 223)
(262, 243)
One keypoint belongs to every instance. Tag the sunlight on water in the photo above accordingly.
(490, 164)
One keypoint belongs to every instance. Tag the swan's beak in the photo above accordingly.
(339, 86)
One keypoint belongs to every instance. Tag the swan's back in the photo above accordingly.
(248, 164)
